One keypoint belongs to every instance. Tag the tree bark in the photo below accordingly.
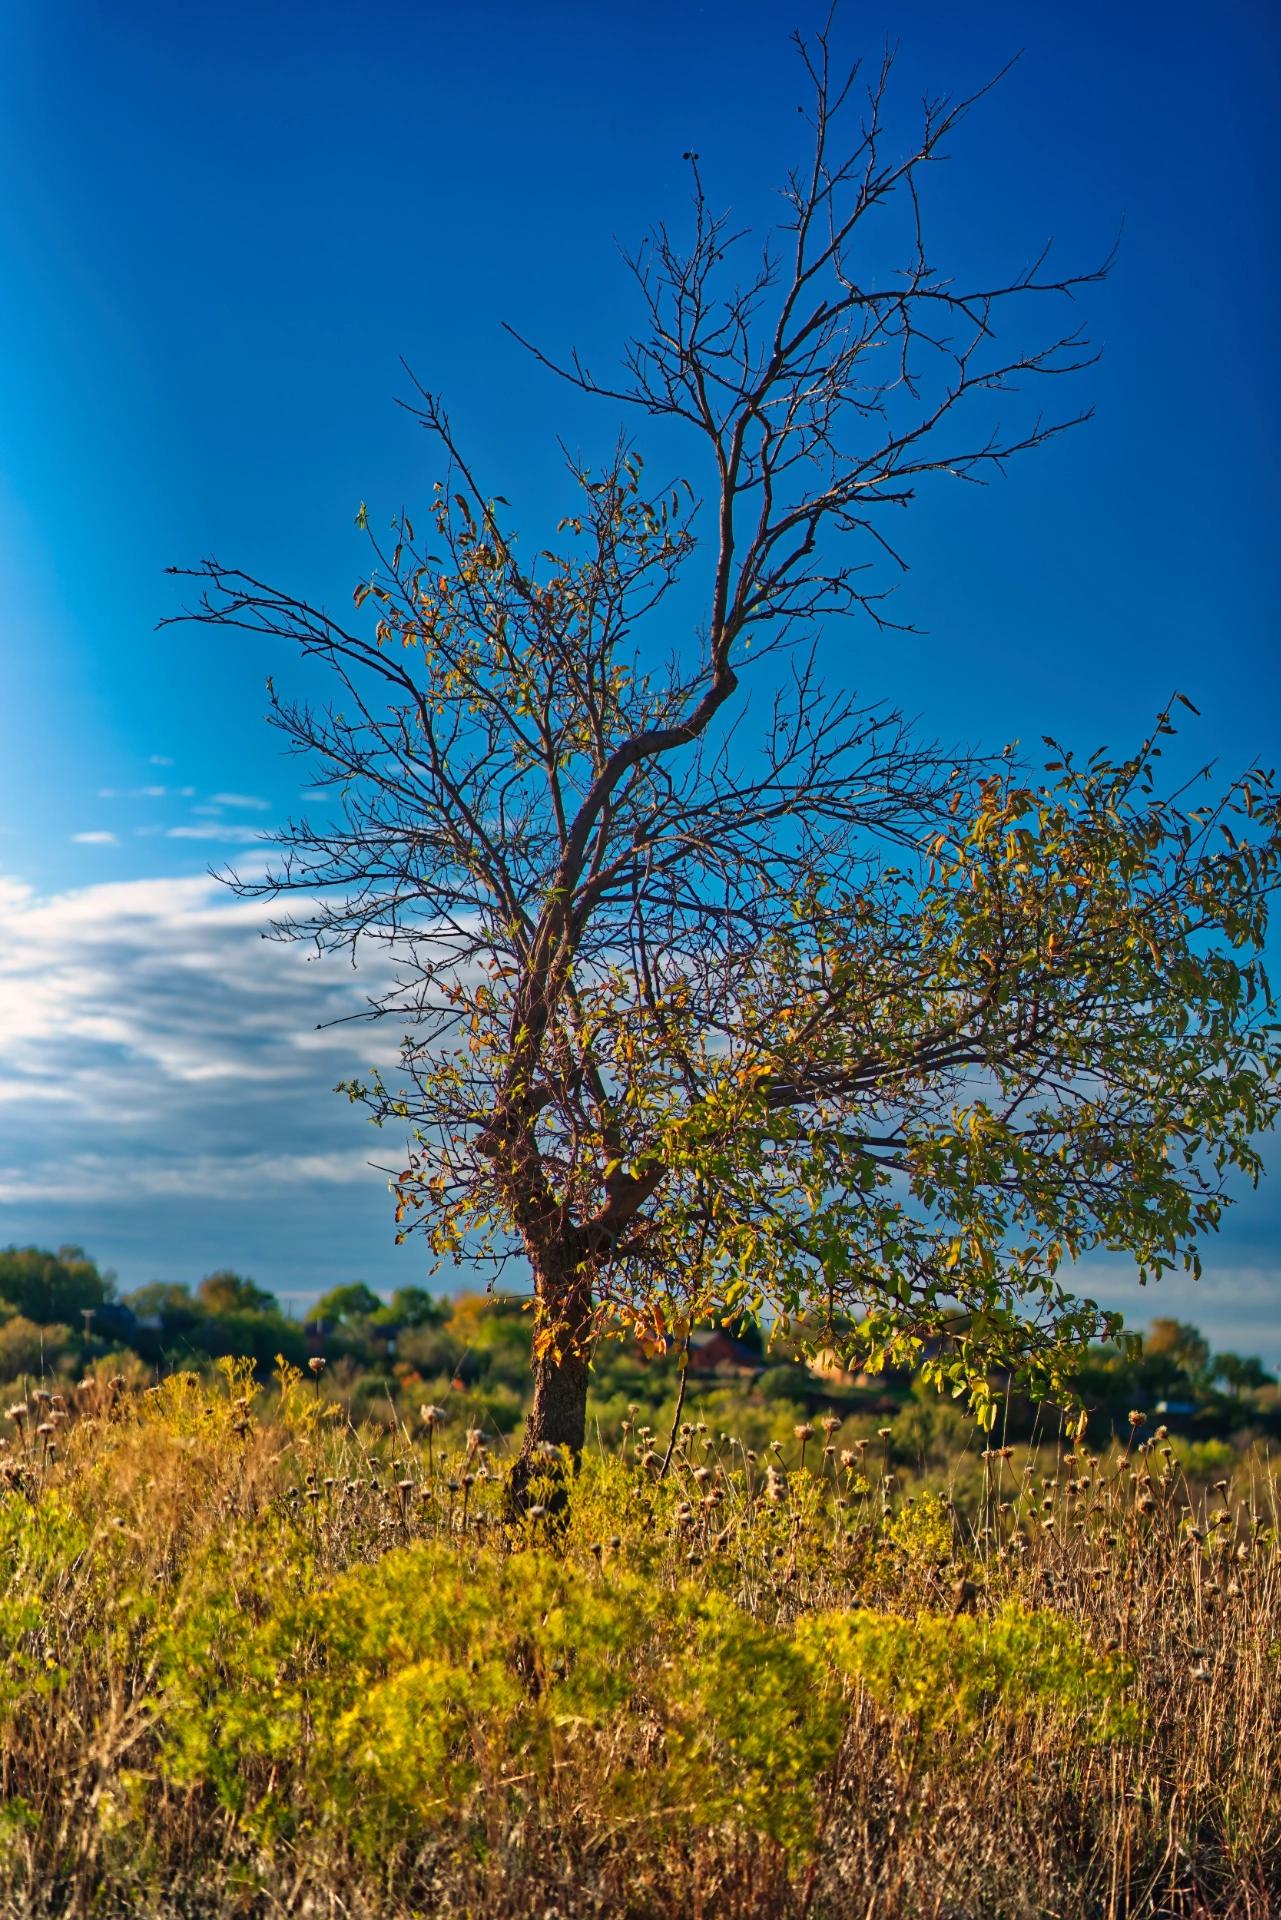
(558, 1416)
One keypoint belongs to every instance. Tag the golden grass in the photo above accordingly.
(257, 1661)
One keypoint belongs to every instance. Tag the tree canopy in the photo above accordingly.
(722, 990)
(227, 1292)
(352, 1301)
(48, 1287)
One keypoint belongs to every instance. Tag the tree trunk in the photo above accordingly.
(558, 1417)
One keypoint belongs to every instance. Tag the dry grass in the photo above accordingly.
(652, 1711)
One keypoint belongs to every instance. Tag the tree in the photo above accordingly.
(48, 1287)
(167, 1301)
(412, 1307)
(355, 1301)
(714, 1005)
(226, 1292)
(1176, 1356)
(1241, 1374)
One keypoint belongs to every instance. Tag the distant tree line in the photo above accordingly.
(59, 1312)
(59, 1309)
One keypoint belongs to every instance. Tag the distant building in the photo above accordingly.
(317, 1333)
(113, 1320)
(713, 1350)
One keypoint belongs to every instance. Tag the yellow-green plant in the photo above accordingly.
(978, 1675)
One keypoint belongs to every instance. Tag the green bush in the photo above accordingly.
(27, 1348)
(394, 1694)
(788, 1382)
(1203, 1459)
(977, 1675)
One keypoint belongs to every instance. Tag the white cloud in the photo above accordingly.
(213, 830)
(145, 793)
(155, 1045)
(98, 838)
(160, 760)
(96, 1177)
(250, 800)
(1234, 1302)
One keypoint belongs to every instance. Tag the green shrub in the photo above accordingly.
(393, 1695)
(787, 1382)
(978, 1674)
(1203, 1459)
(27, 1348)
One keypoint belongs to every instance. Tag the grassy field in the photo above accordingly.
(258, 1660)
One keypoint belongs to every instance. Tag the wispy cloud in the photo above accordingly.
(96, 1176)
(152, 1042)
(138, 793)
(215, 830)
(160, 760)
(248, 800)
(97, 837)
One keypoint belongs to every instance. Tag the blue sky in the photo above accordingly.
(223, 226)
